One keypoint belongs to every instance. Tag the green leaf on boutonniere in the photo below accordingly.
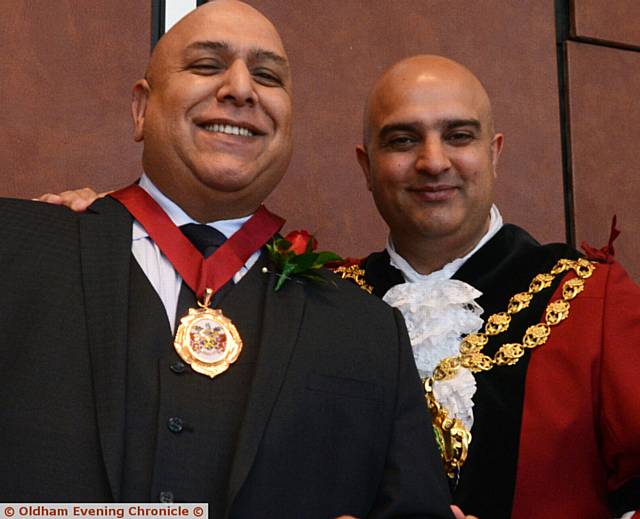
(325, 257)
(294, 255)
(287, 270)
(303, 262)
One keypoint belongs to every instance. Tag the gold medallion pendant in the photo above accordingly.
(207, 340)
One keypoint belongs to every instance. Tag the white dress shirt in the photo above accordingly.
(161, 274)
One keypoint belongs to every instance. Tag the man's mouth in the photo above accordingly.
(237, 127)
(433, 188)
(434, 193)
(228, 129)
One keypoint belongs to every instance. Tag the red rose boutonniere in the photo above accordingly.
(295, 255)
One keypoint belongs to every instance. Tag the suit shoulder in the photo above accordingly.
(25, 218)
(347, 294)
(23, 207)
(361, 323)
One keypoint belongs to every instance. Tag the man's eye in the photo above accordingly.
(401, 142)
(459, 138)
(266, 77)
(206, 67)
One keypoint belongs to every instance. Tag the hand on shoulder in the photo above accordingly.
(77, 200)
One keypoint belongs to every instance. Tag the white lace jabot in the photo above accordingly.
(437, 314)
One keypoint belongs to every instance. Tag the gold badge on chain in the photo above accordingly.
(207, 340)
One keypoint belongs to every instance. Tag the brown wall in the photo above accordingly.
(604, 88)
(613, 21)
(67, 68)
(603, 73)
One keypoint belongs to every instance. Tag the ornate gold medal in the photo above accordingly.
(207, 340)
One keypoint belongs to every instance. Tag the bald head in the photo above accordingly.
(434, 75)
(223, 12)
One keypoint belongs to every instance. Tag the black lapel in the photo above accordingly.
(105, 248)
(507, 263)
(281, 320)
(380, 274)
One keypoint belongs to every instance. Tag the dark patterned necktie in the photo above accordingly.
(206, 239)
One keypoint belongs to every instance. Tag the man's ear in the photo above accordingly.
(496, 149)
(363, 160)
(139, 98)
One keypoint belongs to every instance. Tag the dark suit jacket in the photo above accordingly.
(335, 422)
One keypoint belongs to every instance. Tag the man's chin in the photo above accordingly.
(437, 226)
(227, 180)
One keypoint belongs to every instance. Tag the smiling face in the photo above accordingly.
(214, 111)
(430, 154)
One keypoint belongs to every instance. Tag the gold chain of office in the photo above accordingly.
(451, 435)
(356, 274)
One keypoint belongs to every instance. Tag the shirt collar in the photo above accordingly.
(446, 272)
(177, 215)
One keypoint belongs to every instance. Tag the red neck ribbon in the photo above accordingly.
(196, 271)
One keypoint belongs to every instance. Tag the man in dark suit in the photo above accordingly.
(321, 414)
(545, 384)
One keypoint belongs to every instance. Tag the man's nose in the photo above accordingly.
(432, 157)
(237, 85)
